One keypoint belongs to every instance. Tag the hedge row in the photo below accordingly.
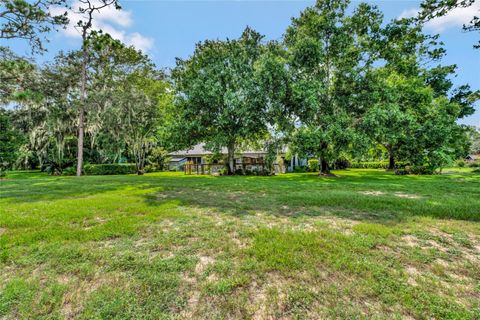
(108, 169)
(375, 165)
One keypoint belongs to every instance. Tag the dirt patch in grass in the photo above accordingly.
(372, 193)
(406, 195)
(203, 263)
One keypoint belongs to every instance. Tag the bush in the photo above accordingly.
(3, 173)
(342, 164)
(300, 169)
(419, 170)
(376, 165)
(369, 165)
(239, 172)
(475, 164)
(461, 163)
(313, 165)
(108, 169)
(70, 171)
(400, 172)
(54, 169)
(157, 160)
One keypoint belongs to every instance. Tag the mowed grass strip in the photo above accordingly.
(364, 244)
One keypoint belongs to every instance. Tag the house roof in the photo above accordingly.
(473, 156)
(199, 151)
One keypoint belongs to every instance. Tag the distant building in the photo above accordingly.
(246, 160)
(472, 157)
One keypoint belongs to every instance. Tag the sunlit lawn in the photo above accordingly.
(364, 244)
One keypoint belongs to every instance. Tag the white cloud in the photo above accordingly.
(409, 13)
(110, 20)
(456, 18)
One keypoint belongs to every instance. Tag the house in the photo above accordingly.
(245, 160)
(472, 157)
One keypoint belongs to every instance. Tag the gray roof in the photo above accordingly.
(199, 151)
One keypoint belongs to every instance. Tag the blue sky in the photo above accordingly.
(169, 29)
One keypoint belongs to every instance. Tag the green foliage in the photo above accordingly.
(313, 165)
(474, 164)
(21, 19)
(10, 140)
(460, 163)
(431, 9)
(109, 169)
(157, 160)
(330, 59)
(222, 93)
(418, 170)
(375, 165)
(473, 134)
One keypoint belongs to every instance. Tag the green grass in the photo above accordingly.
(365, 244)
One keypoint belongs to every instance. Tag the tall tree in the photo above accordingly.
(87, 9)
(331, 57)
(221, 93)
(412, 116)
(29, 20)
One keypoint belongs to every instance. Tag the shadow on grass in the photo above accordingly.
(372, 195)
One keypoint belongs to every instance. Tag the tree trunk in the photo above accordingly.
(231, 158)
(81, 116)
(391, 161)
(324, 167)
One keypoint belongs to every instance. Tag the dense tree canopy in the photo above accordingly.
(223, 92)
(342, 84)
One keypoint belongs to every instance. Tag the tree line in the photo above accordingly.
(338, 85)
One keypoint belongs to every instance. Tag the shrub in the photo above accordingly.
(376, 165)
(475, 164)
(400, 172)
(342, 164)
(54, 169)
(419, 170)
(313, 165)
(108, 169)
(157, 160)
(461, 163)
(300, 169)
(70, 171)
(239, 172)
(369, 165)
(3, 173)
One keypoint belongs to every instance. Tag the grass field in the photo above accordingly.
(365, 244)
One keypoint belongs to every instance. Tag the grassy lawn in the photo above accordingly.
(365, 244)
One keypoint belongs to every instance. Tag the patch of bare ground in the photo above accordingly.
(413, 274)
(80, 289)
(238, 241)
(268, 297)
(372, 193)
(406, 195)
(203, 263)
(3, 231)
(340, 225)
